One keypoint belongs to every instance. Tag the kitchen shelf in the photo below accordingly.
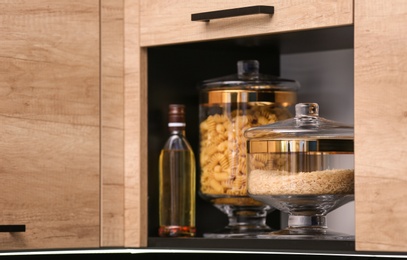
(282, 247)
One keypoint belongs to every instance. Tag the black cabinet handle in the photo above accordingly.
(257, 9)
(12, 228)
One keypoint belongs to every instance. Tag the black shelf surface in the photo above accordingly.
(300, 245)
(291, 247)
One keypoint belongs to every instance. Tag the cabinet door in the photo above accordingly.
(166, 22)
(381, 125)
(49, 117)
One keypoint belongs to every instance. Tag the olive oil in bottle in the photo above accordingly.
(177, 177)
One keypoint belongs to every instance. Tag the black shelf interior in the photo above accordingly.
(173, 74)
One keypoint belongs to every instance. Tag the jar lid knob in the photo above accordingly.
(306, 109)
(248, 68)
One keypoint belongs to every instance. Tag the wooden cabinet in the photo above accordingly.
(74, 108)
(380, 116)
(50, 123)
(168, 22)
(62, 86)
(380, 125)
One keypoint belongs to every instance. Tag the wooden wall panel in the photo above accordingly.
(112, 116)
(49, 117)
(124, 127)
(381, 125)
(135, 129)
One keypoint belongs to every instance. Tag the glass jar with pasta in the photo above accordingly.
(228, 106)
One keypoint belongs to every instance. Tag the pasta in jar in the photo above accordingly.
(223, 147)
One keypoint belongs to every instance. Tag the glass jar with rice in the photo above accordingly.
(303, 166)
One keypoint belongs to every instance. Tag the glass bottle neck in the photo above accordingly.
(177, 131)
(177, 128)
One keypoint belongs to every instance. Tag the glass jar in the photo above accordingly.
(228, 106)
(303, 166)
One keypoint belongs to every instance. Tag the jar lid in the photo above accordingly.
(248, 77)
(305, 132)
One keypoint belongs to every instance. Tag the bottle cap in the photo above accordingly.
(176, 114)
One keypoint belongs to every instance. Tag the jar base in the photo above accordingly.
(244, 221)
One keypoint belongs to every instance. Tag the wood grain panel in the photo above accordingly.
(124, 127)
(381, 125)
(169, 21)
(49, 117)
(112, 116)
(135, 129)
